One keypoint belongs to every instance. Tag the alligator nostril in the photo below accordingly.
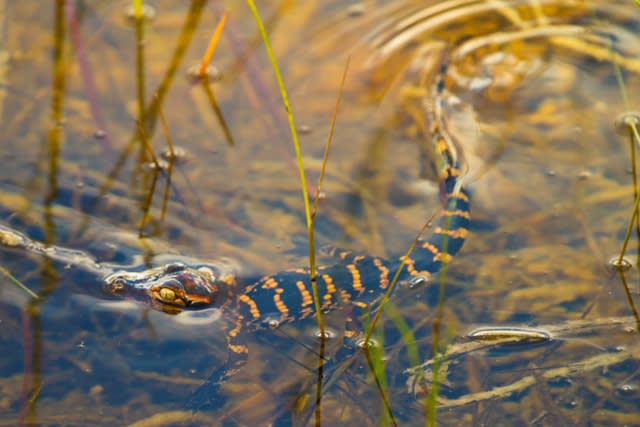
(174, 267)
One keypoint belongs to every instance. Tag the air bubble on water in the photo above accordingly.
(304, 129)
(178, 155)
(625, 121)
(362, 343)
(356, 10)
(212, 72)
(619, 264)
(584, 175)
(329, 333)
(273, 323)
(418, 281)
(148, 12)
(627, 390)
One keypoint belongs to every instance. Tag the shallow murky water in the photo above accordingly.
(532, 91)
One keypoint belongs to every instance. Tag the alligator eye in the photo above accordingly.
(167, 295)
(174, 267)
(116, 284)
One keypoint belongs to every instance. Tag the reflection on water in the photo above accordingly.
(531, 93)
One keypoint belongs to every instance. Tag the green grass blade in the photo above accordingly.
(305, 196)
(18, 283)
(296, 145)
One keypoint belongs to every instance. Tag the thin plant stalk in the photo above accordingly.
(375, 354)
(18, 283)
(296, 145)
(146, 205)
(86, 74)
(213, 43)
(627, 234)
(137, 8)
(305, 196)
(394, 280)
(172, 158)
(258, 87)
(325, 155)
(634, 138)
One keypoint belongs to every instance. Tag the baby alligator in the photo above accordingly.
(358, 281)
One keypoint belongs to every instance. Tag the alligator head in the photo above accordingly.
(172, 287)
